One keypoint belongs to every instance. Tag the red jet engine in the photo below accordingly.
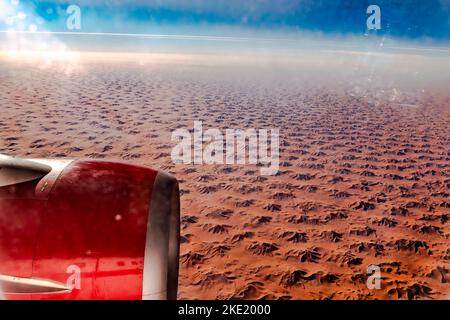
(85, 229)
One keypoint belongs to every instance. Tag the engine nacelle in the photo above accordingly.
(85, 229)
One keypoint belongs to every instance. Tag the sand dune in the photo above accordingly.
(363, 180)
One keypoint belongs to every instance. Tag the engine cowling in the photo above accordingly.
(85, 229)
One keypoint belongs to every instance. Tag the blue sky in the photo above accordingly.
(410, 19)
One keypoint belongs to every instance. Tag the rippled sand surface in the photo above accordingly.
(364, 176)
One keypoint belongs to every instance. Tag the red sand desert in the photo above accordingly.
(364, 176)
